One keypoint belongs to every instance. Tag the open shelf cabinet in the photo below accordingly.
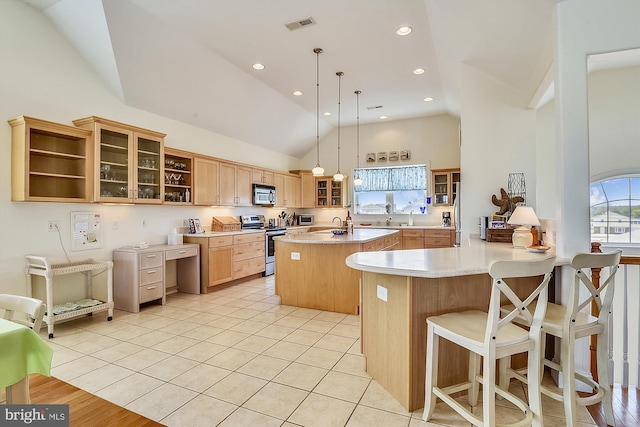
(50, 161)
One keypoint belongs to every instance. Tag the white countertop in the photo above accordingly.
(442, 262)
(359, 235)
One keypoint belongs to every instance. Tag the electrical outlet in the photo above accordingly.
(53, 225)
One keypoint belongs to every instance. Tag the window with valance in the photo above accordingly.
(387, 190)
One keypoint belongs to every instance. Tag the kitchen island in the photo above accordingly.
(400, 289)
(311, 270)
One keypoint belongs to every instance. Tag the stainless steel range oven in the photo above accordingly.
(270, 249)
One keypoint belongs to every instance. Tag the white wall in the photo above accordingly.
(498, 138)
(614, 125)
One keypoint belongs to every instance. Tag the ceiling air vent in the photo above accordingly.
(300, 23)
(375, 107)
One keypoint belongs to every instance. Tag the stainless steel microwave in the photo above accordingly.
(305, 219)
(264, 195)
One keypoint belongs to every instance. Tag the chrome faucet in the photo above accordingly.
(388, 220)
(339, 219)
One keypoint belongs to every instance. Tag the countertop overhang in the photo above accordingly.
(474, 258)
(326, 237)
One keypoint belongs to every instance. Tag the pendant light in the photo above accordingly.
(338, 177)
(358, 181)
(318, 170)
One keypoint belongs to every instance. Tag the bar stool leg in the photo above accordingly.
(431, 377)
(568, 379)
(603, 376)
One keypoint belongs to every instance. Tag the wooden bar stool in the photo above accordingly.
(491, 337)
(570, 323)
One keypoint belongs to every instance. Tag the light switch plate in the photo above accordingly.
(382, 293)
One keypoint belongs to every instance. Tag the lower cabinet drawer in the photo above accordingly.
(181, 253)
(152, 259)
(248, 250)
(150, 292)
(375, 245)
(437, 242)
(151, 275)
(248, 267)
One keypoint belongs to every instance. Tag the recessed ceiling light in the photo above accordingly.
(258, 66)
(418, 71)
(297, 93)
(404, 31)
(327, 113)
(383, 117)
(428, 99)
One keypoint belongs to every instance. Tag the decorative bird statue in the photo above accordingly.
(505, 202)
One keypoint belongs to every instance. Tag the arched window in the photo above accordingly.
(615, 210)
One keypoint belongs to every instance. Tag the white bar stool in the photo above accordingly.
(491, 337)
(569, 323)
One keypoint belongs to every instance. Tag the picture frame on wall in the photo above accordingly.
(382, 156)
(371, 157)
(394, 156)
(405, 155)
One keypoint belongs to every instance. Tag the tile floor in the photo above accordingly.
(236, 357)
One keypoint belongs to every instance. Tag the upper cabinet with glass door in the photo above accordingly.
(444, 190)
(128, 162)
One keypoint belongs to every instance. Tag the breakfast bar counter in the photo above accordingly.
(400, 289)
(311, 271)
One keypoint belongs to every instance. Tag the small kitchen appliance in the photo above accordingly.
(484, 224)
(264, 195)
(446, 219)
(306, 219)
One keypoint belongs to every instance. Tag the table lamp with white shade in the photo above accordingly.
(525, 217)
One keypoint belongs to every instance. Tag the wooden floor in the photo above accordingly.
(626, 406)
(85, 409)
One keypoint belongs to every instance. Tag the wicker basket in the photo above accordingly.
(499, 235)
(225, 223)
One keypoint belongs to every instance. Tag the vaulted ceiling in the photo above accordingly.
(191, 60)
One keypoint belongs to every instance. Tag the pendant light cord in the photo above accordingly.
(318, 51)
(358, 132)
(339, 74)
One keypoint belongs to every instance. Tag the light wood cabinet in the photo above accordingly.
(178, 177)
(206, 183)
(307, 185)
(129, 162)
(261, 176)
(444, 190)
(229, 257)
(287, 190)
(220, 265)
(330, 193)
(292, 191)
(50, 161)
(439, 238)
(235, 184)
(248, 254)
(427, 238)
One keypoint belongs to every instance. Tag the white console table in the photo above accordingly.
(144, 275)
(40, 266)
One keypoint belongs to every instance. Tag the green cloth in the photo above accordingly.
(22, 352)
